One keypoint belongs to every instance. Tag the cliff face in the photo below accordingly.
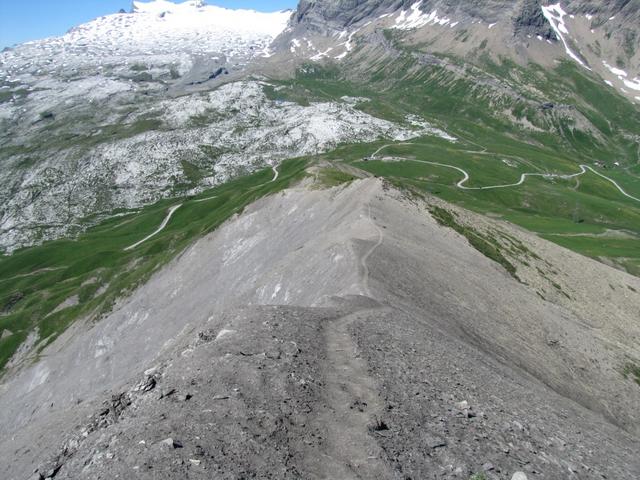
(523, 16)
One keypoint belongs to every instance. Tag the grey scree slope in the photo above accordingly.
(336, 334)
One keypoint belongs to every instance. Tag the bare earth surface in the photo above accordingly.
(344, 334)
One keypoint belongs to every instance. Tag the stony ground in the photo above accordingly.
(333, 334)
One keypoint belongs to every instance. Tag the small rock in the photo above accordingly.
(435, 442)
(171, 443)
(50, 469)
(519, 476)
(220, 397)
(464, 405)
(147, 384)
(198, 451)
(185, 397)
(167, 392)
(194, 461)
(487, 467)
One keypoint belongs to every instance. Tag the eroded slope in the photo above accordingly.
(392, 349)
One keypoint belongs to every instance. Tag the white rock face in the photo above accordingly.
(232, 130)
(87, 126)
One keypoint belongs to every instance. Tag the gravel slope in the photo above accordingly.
(337, 334)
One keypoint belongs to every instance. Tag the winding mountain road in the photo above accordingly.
(164, 223)
(173, 209)
(523, 177)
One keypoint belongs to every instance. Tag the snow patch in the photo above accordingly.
(555, 16)
(320, 55)
(633, 84)
(415, 18)
(426, 128)
(616, 71)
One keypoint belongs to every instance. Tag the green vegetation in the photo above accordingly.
(502, 134)
(35, 282)
(191, 171)
(485, 244)
(332, 177)
(632, 370)
(478, 476)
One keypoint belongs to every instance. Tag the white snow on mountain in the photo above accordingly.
(155, 32)
(415, 18)
(555, 16)
(622, 75)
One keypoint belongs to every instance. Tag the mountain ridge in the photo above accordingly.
(384, 239)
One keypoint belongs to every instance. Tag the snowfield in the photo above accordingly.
(415, 18)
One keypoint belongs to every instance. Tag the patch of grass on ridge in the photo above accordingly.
(489, 247)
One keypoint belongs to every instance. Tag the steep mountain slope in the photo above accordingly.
(201, 277)
(597, 35)
(391, 348)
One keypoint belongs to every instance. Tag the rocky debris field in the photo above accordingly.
(274, 395)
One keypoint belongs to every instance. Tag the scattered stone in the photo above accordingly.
(6, 334)
(194, 461)
(380, 426)
(207, 336)
(220, 397)
(435, 442)
(464, 405)
(358, 405)
(146, 385)
(198, 451)
(167, 392)
(519, 476)
(487, 467)
(171, 443)
(184, 397)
